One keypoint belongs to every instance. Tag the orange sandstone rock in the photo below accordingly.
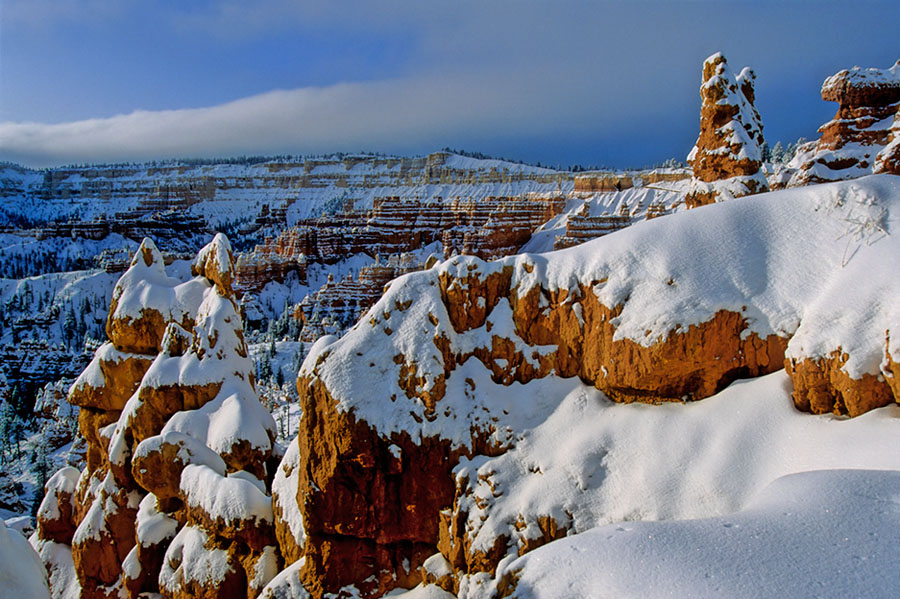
(726, 158)
(109, 380)
(364, 509)
(822, 386)
(56, 515)
(868, 100)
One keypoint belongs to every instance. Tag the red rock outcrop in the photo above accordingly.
(397, 441)
(56, 518)
(726, 158)
(581, 227)
(342, 302)
(400, 486)
(177, 440)
(373, 532)
(868, 100)
(273, 260)
(602, 182)
(485, 227)
(822, 386)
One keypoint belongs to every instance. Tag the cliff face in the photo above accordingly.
(868, 100)
(174, 498)
(726, 158)
(136, 200)
(409, 417)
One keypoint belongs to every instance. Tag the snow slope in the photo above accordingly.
(22, 574)
(827, 534)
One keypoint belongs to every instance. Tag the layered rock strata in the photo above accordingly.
(402, 414)
(343, 301)
(485, 227)
(868, 101)
(175, 496)
(726, 159)
(273, 260)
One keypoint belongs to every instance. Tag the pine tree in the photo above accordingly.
(6, 421)
(40, 469)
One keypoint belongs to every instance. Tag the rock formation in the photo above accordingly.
(726, 158)
(868, 100)
(888, 159)
(181, 202)
(273, 260)
(583, 226)
(344, 301)
(423, 398)
(175, 496)
(486, 227)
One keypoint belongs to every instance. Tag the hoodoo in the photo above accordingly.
(868, 101)
(727, 159)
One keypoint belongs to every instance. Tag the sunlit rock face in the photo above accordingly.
(727, 157)
(868, 100)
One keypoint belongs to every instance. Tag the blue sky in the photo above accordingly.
(612, 83)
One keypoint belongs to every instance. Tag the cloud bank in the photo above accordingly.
(404, 115)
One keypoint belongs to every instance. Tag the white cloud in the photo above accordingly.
(399, 115)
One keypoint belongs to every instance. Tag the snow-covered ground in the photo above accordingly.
(737, 496)
(825, 534)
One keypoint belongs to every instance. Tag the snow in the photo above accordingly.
(93, 376)
(147, 286)
(265, 569)
(287, 585)
(233, 498)
(284, 492)
(861, 78)
(190, 450)
(63, 481)
(152, 526)
(22, 574)
(632, 202)
(305, 187)
(216, 255)
(437, 566)
(188, 560)
(57, 558)
(808, 262)
(20, 524)
(592, 462)
(233, 416)
(816, 534)
(421, 592)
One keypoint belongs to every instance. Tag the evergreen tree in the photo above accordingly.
(6, 425)
(778, 152)
(264, 368)
(40, 469)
